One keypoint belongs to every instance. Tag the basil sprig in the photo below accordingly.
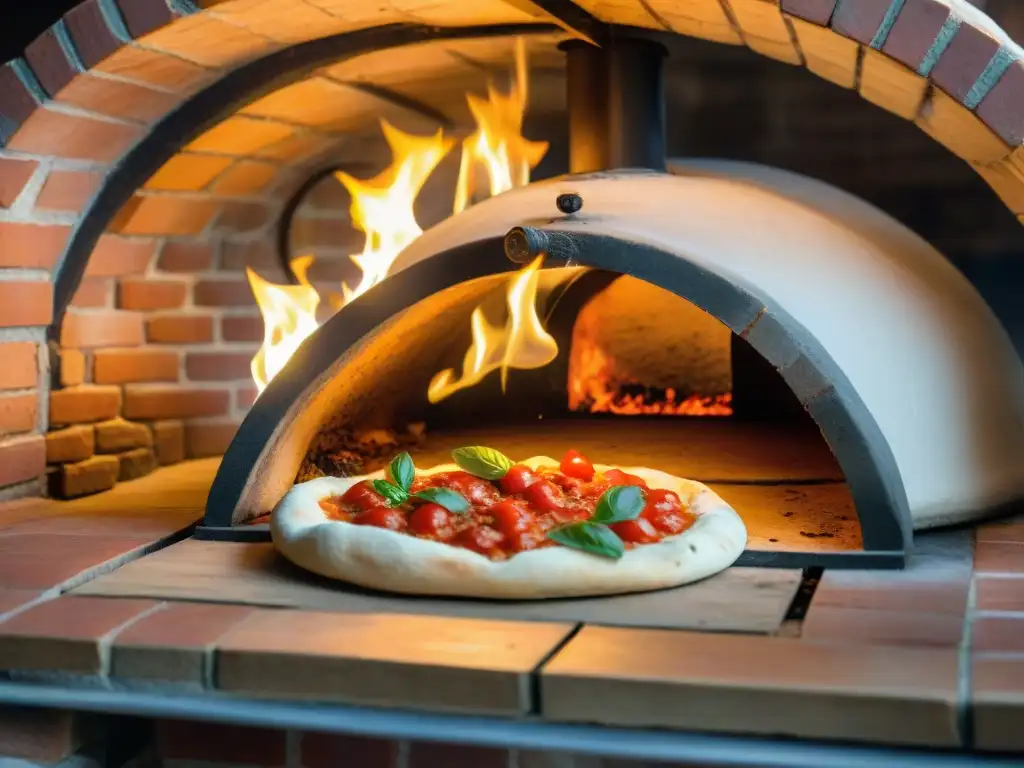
(483, 462)
(403, 473)
(616, 505)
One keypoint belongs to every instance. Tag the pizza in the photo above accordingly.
(485, 526)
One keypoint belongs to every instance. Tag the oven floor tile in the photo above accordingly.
(998, 699)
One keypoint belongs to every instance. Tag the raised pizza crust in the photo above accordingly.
(396, 562)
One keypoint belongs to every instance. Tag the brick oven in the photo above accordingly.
(208, 292)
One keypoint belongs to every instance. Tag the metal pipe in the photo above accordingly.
(587, 103)
(636, 104)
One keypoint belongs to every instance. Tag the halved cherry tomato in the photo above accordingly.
(545, 496)
(639, 531)
(664, 510)
(575, 464)
(382, 517)
(432, 520)
(518, 479)
(480, 538)
(510, 517)
(476, 490)
(363, 496)
(618, 477)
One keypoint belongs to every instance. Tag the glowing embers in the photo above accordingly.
(289, 316)
(520, 343)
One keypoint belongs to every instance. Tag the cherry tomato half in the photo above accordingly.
(545, 496)
(432, 520)
(664, 510)
(618, 477)
(639, 531)
(480, 538)
(476, 490)
(575, 464)
(363, 496)
(518, 479)
(382, 517)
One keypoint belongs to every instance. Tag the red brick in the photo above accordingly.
(84, 404)
(241, 328)
(91, 33)
(143, 293)
(964, 60)
(860, 20)
(245, 397)
(117, 98)
(71, 444)
(49, 63)
(37, 246)
(998, 634)
(1008, 531)
(25, 304)
(68, 190)
(330, 750)
(218, 366)
(179, 329)
(117, 256)
(18, 413)
(223, 293)
(14, 175)
(92, 292)
(259, 254)
(46, 132)
(22, 459)
(915, 31)
(17, 101)
(169, 441)
(1002, 109)
(1000, 594)
(125, 366)
(144, 16)
(156, 402)
(999, 557)
(20, 367)
(431, 755)
(220, 743)
(203, 440)
(72, 367)
(166, 214)
(246, 177)
(243, 217)
(185, 257)
(38, 735)
(101, 329)
(83, 478)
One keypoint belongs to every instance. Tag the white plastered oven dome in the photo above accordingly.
(920, 346)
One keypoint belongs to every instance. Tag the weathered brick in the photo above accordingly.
(136, 463)
(123, 366)
(22, 459)
(71, 444)
(14, 175)
(203, 440)
(36, 246)
(223, 293)
(116, 256)
(95, 474)
(72, 367)
(149, 294)
(219, 743)
(156, 402)
(43, 736)
(169, 441)
(101, 329)
(84, 404)
(18, 413)
(235, 328)
(218, 366)
(179, 329)
(118, 435)
(25, 303)
(92, 293)
(20, 367)
(179, 256)
(68, 190)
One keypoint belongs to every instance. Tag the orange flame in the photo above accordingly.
(289, 316)
(498, 145)
(594, 387)
(522, 342)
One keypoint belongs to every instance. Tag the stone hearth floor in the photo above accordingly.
(931, 656)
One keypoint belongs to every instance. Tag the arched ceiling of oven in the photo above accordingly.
(90, 90)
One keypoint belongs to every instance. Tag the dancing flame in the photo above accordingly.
(289, 316)
(498, 145)
(522, 342)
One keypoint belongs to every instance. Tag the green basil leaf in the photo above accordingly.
(391, 492)
(450, 500)
(403, 471)
(623, 502)
(483, 462)
(590, 537)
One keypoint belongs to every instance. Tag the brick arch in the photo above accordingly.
(95, 84)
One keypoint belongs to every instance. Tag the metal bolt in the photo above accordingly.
(524, 244)
(569, 203)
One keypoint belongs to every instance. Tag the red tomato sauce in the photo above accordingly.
(513, 514)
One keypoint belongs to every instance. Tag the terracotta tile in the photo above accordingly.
(155, 68)
(240, 136)
(915, 31)
(220, 743)
(40, 561)
(68, 190)
(188, 172)
(414, 661)
(67, 634)
(91, 34)
(964, 60)
(174, 643)
(942, 595)
(1002, 109)
(1009, 532)
(858, 625)
(117, 98)
(999, 557)
(14, 175)
(144, 522)
(998, 634)
(329, 750)
(998, 704)
(47, 132)
(778, 686)
(11, 599)
(999, 594)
